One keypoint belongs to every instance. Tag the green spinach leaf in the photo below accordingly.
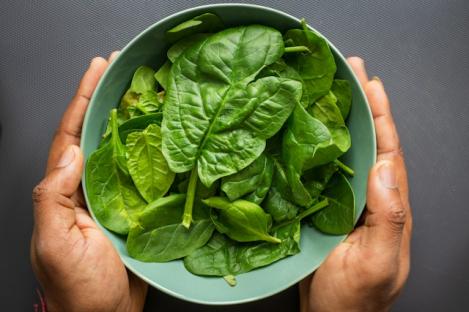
(241, 220)
(111, 192)
(204, 23)
(343, 92)
(216, 120)
(316, 68)
(316, 179)
(279, 201)
(158, 236)
(252, 183)
(326, 110)
(223, 256)
(302, 139)
(179, 47)
(162, 74)
(147, 165)
(339, 216)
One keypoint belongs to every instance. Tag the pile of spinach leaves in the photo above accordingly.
(220, 155)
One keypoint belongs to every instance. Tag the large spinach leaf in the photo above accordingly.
(316, 68)
(111, 192)
(204, 23)
(339, 216)
(241, 220)
(326, 110)
(147, 165)
(216, 118)
(223, 256)
(179, 47)
(252, 183)
(302, 139)
(158, 236)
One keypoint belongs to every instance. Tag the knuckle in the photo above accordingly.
(40, 193)
(396, 216)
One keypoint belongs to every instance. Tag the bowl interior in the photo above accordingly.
(149, 48)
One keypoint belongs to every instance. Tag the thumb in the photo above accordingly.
(385, 216)
(53, 207)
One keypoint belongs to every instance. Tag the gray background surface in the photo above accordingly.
(420, 49)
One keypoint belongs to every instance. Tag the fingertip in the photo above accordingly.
(356, 61)
(98, 61)
(113, 56)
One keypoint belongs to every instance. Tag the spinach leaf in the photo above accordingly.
(223, 256)
(241, 220)
(326, 110)
(111, 192)
(158, 236)
(142, 81)
(204, 23)
(162, 74)
(339, 216)
(279, 199)
(316, 179)
(252, 183)
(149, 103)
(147, 166)
(179, 47)
(131, 125)
(216, 120)
(343, 92)
(316, 68)
(302, 139)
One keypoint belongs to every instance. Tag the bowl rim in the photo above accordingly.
(104, 77)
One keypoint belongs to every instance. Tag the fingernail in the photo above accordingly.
(387, 175)
(376, 78)
(67, 157)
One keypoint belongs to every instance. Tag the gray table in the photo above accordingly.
(420, 49)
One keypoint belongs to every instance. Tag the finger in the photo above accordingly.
(387, 138)
(386, 215)
(358, 67)
(69, 130)
(303, 288)
(53, 208)
(113, 56)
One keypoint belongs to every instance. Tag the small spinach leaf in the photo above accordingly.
(339, 216)
(162, 74)
(204, 23)
(326, 110)
(147, 165)
(316, 179)
(343, 92)
(279, 199)
(111, 192)
(159, 236)
(241, 220)
(253, 182)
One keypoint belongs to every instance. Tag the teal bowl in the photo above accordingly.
(149, 48)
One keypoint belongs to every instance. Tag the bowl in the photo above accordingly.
(149, 48)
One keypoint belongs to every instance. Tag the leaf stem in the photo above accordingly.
(315, 208)
(297, 49)
(344, 168)
(191, 189)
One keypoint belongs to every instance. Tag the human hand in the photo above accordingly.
(367, 271)
(75, 263)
